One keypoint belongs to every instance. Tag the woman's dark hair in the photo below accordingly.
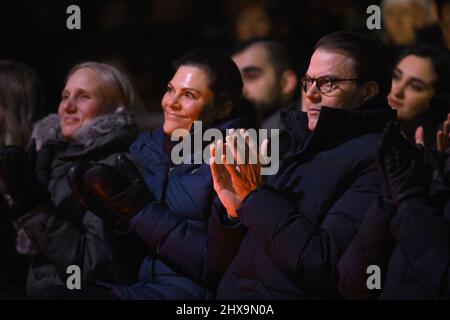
(225, 81)
(440, 59)
(432, 119)
(21, 102)
(224, 77)
(371, 63)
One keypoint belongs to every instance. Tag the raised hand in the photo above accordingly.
(246, 176)
(419, 136)
(107, 190)
(403, 171)
(443, 136)
(222, 182)
(122, 189)
(75, 177)
(235, 178)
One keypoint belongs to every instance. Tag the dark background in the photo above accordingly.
(143, 37)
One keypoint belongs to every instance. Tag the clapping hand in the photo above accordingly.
(404, 174)
(235, 178)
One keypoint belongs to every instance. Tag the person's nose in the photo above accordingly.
(245, 91)
(398, 89)
(173, 102)
(69, 105)
(313, 94)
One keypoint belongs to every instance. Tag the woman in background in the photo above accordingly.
(419, 91)
(21, 102)
(92, 124)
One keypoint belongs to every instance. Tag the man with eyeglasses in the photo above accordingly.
(332, 80)
(291, 230)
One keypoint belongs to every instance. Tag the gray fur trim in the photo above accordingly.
(25, 244)
(101, 125)
(46, 129)
(49, 128)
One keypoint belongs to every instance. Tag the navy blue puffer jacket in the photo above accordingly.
(302, 220)
(174, 227)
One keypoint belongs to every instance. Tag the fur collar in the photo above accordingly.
(49, 128)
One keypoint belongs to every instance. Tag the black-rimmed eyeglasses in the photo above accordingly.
(323, 84)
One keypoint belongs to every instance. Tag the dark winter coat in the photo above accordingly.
(419, 267)
(410, 246)
(13, 268)
(60, 232)
(174, 227)
(302, 220)
(371, 246)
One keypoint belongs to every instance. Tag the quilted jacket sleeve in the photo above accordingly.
(309, 253)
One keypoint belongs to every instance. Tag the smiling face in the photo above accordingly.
(412, 87)
(83, 99)
(344, 95)
(188, 98)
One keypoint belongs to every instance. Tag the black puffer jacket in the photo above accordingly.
(301, 222)
(411, 246)
(59, 232)
(419, 267)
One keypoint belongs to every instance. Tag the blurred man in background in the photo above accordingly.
(270, 80)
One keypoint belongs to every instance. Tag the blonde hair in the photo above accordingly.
(123, 97)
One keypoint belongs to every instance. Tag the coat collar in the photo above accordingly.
(336, 125)
(106, 134)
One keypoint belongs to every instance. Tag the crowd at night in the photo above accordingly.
(225, 150)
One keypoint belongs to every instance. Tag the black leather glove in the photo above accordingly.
(121, 188)
(104, 189)
(75, 177)
(403, 172)
(18, 176)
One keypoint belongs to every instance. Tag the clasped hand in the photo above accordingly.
(236, 168)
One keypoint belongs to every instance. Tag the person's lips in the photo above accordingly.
(70, 120)
(394, 103)
(173, 116)
(313, 111)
